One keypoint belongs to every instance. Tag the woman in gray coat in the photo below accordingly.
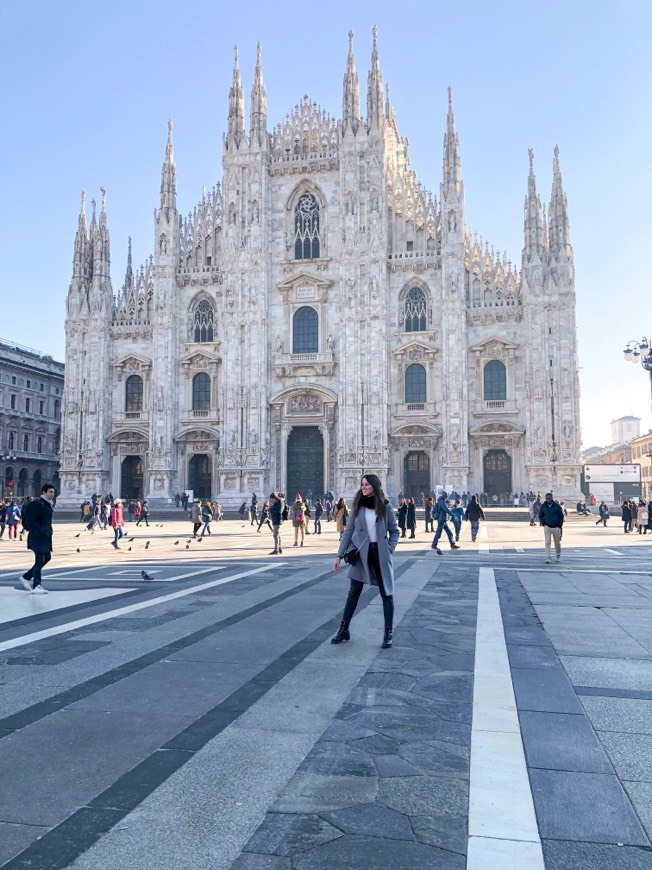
(371, 529)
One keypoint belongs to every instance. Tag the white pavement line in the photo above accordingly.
(19, 604)
(483, 551)
(131, 608)
(503, 831)
(612, 552)
(519, 549)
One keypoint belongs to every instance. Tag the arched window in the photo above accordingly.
(134, 394)
(495, 381)
(57, 408)
(25, 442)
(415, 384)
(201, 392)
(306, 227)
(11, 441)
(305, 331)
(204, 321)
(415, 310)
(39, 444)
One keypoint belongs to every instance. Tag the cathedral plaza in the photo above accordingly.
(203, 719)
(320, 314)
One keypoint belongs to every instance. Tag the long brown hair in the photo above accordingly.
(379, 496)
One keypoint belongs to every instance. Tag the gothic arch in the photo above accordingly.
(415, 315)
(201, 318)
(306, 222)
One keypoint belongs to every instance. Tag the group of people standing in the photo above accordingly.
(636, 516)
(438, 513)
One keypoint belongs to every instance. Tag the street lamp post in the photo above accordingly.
(636, 351)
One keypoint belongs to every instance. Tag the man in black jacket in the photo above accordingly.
(276, 516)
(551, 517)
(39, 539)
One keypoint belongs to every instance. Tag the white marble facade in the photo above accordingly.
(319, 315)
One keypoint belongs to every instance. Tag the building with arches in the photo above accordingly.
(31, 390)
(318, 315)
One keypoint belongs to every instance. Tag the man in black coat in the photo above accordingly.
(551, 517)
(39, 539)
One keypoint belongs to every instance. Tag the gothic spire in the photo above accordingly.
(258, 125)
(169, 175)
(81, 246)
(129, 274)
(351, 93)
(375, 95)
(452, 163)
(558, 214)
(236, 119)
(534, 226)
(102, 256)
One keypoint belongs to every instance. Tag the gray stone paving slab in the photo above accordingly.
(172, 687)
(640, 794)
(371, 820)
(631, 754)
(249, 861)
(338, 759)
(317, 793)
(286, 835)
(590, 807)
(629, 715)
(437, 756)
(546, 690)
(537, 657)
(589, 856)
(87, 752)
(394, 765)
(419, 796)
(609, 673)
(377, 854)
(561, 741)
(447, 832)
(14, 838)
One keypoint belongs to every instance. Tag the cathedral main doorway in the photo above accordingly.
(131, 477)
(416, 475)
(305, 463)
(199, 476)
(497, 466)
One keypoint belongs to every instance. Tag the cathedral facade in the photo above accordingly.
(320, 315)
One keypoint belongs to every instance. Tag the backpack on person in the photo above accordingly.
(299, 516)
(27, 516)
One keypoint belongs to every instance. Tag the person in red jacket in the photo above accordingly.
(117, 521)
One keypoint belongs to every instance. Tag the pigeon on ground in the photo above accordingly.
(78, 550)
(147, 545)
(129, 549)
(187, 546)
(199, 540)
(176, 543)
(146, 577)
(131, 539)
(77, 535)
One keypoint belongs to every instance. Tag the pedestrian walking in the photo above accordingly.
(243, 510)
(276, 517)
(12, 519)
(643, 517)
(131, 510)
(298, 517)
(442, 513)
(603, 510)
(306, 520)
(535, 510)
(402, 516)
(458, 515)
(371, 530)
(138, 509)
(341, 515)
(144, 514)
(38, 524)
(177, 499)
(117, 522)
(265, 518)
(319, 510)
(474, 514)
(626, 517)
(551, 517)
(428, 506)
(206, 517)
(184, 500)
(105, 511)
(411, 518)
(195, 517)
(328, 504)
(3, 518)
(217, 511)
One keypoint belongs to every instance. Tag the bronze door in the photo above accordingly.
(305, 463)
(199, 476)
(497, 473)
(416, 475)
(131, 477)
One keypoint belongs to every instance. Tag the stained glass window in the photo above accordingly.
(306, 228)
(415, 310)
(204, 321)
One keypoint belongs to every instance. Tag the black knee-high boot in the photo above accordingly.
(388, 612)
(349, 609)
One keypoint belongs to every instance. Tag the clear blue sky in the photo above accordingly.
(88, 89)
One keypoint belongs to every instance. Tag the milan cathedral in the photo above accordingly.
(320, 315)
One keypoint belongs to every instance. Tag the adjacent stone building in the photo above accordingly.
(31, 390)
(319, 315)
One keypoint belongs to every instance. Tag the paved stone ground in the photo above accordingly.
(205, 721)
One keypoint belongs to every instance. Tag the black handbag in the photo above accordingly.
(351, 556)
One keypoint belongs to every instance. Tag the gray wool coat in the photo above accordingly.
(355, 535)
